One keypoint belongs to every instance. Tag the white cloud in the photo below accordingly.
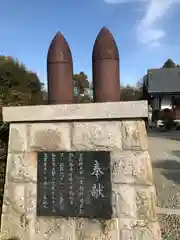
(147, 28)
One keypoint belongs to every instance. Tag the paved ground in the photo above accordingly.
(164, 145)
(164, 148)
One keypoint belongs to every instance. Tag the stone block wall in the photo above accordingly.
(133, 198)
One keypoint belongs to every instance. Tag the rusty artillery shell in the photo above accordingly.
(105, 62)
(60, 71)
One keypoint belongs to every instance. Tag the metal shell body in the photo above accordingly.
(105, 62)
(60, 71)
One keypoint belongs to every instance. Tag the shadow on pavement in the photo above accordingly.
(172, 135)
(167, 165)
(169, 168)
(176, 153)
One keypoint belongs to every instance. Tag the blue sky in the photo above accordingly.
(147, 32)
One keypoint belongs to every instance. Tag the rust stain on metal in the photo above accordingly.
(105, 62)
(60, 71)
(105, 46)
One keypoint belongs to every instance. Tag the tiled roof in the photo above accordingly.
(164, 80)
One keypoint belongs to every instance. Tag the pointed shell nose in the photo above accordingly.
(105, 46)
(105, 62)
(59, 50)
(60, 71)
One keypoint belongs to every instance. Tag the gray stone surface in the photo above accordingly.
(150, 231)
(131, 229)
(97, 136)
(164, 148)
(131, 167)
(54, 229)
(134, 196)
(18, 138)
(124, 201)
(49, 136)
(22, 167)
(93, 229)
(114, 110)
(134, 135)
(146, 203)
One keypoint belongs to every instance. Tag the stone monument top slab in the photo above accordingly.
(65, 112)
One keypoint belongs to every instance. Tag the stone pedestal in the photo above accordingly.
(117, 127)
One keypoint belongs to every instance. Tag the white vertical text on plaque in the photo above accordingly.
(97, 188)
(53, 186)
(45, 182)
(81, 185)
(61, 173)
(71, 169)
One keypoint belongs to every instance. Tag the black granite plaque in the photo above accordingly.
(74, 184)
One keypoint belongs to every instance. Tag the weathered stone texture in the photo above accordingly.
(134, 202)
(18, 137)
(131, 167)
(97, 136)
(75, 112)
(138, 230)
(13, 226)
(88, 229)
(54, 229)
(22, 167)
(151, 231)
(49, 136)
(134, 135)
(14, 198)
(124, 201)
(13, 220)
(30, 208)
(133, 192)
(94, 229)
(146, 203)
